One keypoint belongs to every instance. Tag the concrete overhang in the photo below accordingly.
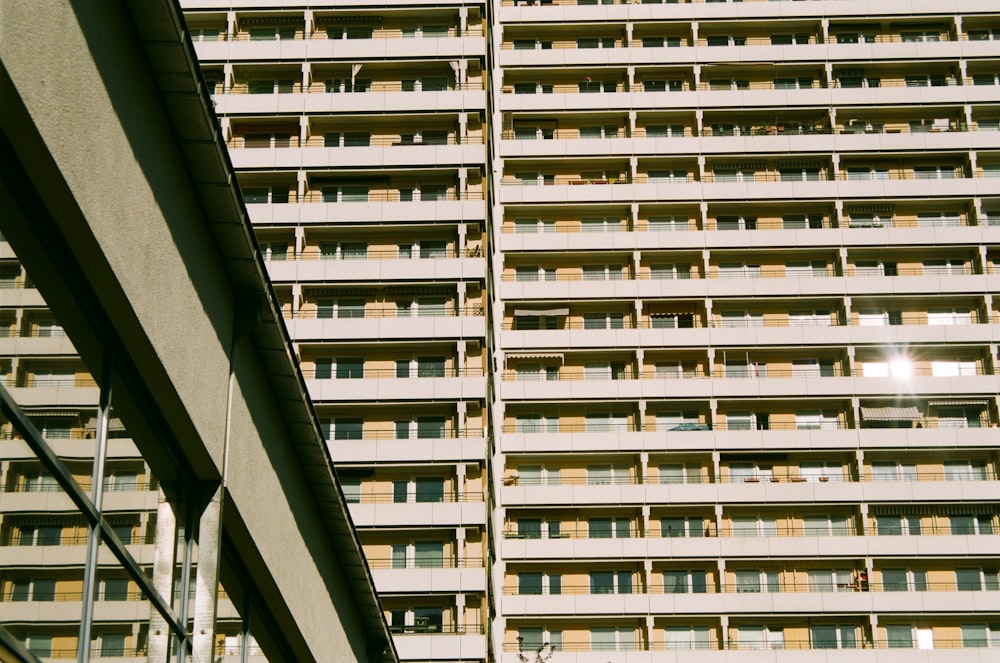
(118, 196)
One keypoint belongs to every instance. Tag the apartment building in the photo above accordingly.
(358, 131)
(639, 331)
(745, 265)
(157, 440)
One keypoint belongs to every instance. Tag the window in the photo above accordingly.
(668, 223)
(39, 645)
(604, 423)
(529, 528)
(830, 580)
(965, 470)
(433, 307)
(355, 193)
(754, 526)
(980, 635)
(953, 368)
(672, 527)
(430, 427)
(430, 367)
(735, 222)
(833, 636)
(350, 308)
(610, 582)
(738, 270)
(754, 581)
(352, 489)
(604, 475)
(428, 554)
(687, 637)
(112, 644)
(891, 525)
(592, 224)
(685, 582)
(602, 272)
(760, 637)
(347, 428)
(349, 368)
(604, 321)
(612, 638)
(678, 421)
(817, 419)
(678, 473)
(899, 636)
(609, 528)
(529, 583)
(357, 138)
(967, 525)
(903, 580)
(433, 249)
(893, 471)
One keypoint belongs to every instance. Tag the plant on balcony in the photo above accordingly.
(541, 655)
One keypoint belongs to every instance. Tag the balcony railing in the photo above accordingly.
(444, 563)
(775, 476)
(390, 498)
(447, 434)
(468, 311)
(392, 373)
(437, 629)
(242, 88)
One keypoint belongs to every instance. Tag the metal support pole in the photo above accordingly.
(207, 579)
(94, 528)
(164, 554)
(187, 533)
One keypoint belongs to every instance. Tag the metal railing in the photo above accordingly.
(444, 563)
(541, 428)
(448, 497)
(437, 629)
(468, 311)
(245, 88)
(448, 434)
(392, 373)
(776, 476)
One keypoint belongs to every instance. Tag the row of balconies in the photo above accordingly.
(788, 32)
(805, 169)
(726, 91)
(827, 466)
(629, 639)
(745, 404)
(551, 228)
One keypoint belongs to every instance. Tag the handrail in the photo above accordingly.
(447, 497)
(443, 563)
(392, 373)
(468, 311)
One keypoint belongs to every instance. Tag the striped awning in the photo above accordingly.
(529, 312)
(554, 356)
(891, 413)
(53, 413)
(870, 208)
(739, 165)
(964, 509)
(959, 403)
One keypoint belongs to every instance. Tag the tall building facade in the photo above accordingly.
(697, 300)
(640, 331)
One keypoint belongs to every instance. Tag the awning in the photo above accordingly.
(271, 20)
(529, 312)
(890, 413)
(812, 163)
(959, 403)
(114, 424)
(739, 165)
(53, 413)
(870, 208)
(555, 356)
(931, 509)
